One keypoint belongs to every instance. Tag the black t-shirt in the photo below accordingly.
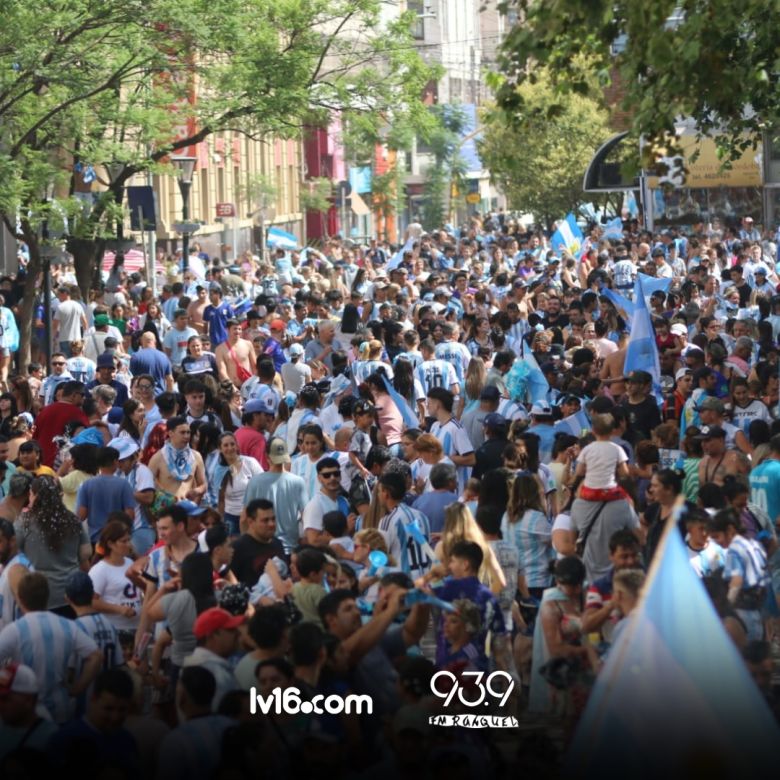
(488, 457)
(250, 557)
(642, 418)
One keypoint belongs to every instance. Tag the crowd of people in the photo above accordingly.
(343, 471)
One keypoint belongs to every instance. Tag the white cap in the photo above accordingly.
(678, 329)
(681, 373)
(541, 409)
(296, 350)
(125, 446)
(18, 678)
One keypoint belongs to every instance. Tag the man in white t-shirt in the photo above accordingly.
(69, 320)
(327, 499)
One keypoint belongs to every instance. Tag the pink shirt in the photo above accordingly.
(390, 420)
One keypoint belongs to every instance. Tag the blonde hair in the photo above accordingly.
(602, 424)
(459, 525)
(376, 511)
(629, 580)
(375, 541)
(427, 442)
(476, 374)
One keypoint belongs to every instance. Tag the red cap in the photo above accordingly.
(215, 619)
(277, 325)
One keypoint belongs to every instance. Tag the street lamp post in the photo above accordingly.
(186, 167)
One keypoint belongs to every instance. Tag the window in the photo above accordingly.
(418, 26)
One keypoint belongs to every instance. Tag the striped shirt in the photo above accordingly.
(401, 544)
(102, 632)
(9, 608)
(457, 355)
(306, 468)
(455, 441)
(436, 373)
(50, 645)
(532, 535)
(746, 558)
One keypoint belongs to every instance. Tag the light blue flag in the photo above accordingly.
(620, 301)
(568, 236)
(337, 386)
(410, 418)
(398, 257)
(614, 229)
(650, 284)
(674, 698)
(281, 239)
(576, 424)
(642, 351)
(526, 380)
(629, 203)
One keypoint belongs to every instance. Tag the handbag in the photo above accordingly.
(241, 373)
(583, 540)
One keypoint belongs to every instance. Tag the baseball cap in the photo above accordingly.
(101, 320)
(277, 452)
(658, 252)
(277, 325)
(105, 361)
(712, 404)
(296, 350)
(215, 619)
(541, 409)
(711, 432)
(191, 508)
(215, 287)
(678, 329)
(495, 422)
(490, 393)
(761, 269)
(681, 373)
(263, 404)
(18, 678)
(79, 587)
(125, 446)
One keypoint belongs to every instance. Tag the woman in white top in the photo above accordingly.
(115, 594)
(232, 474)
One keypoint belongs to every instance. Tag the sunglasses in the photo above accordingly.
(59, 363)
(330, 474)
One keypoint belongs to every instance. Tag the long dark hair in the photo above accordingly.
(403, 378)
(197, 576)
(350, 319)
(49, 516)
(127, 424)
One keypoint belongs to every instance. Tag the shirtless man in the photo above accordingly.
(196, 308)
(178, 469)
(12, 506)
(611, 373)
(717, 460)
(236, 351)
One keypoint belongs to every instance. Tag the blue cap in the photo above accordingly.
(191, 508)
(494, 421)
(79, 588)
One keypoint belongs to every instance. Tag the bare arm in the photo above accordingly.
(89, 672)
(357, 645)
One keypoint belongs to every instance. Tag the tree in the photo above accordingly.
(539, 162)
(714, 60)
(120, 85)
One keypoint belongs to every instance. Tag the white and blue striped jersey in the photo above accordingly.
(362, 369)
(82, 369)
(401, 544)
(306, 468)
(746, 558)
(455, 441)
(51, 646)
(532, 535)
(9, 608)
(457, 355)
(102, 632)
(436, 373)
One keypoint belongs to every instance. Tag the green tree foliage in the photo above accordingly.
(106, 82)
(538, 161)
(713, 60)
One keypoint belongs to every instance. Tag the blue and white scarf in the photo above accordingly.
(181, 463)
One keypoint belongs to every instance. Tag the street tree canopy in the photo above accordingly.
(109, 84)
(539, 163)
(713, 60)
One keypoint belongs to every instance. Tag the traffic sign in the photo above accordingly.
(226, 210)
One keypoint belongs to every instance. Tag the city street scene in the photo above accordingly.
(389, 389)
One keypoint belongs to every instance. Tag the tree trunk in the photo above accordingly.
(87, 256)
(26, 308)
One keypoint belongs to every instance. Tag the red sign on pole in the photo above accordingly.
(226, 210)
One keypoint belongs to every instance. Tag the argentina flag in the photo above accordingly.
(622, 303)
(575, 424)
(280, 239)
(674, 698)
(410, 418)
(642, 352)
(614, 229)
(649, 285)
(567, 237)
